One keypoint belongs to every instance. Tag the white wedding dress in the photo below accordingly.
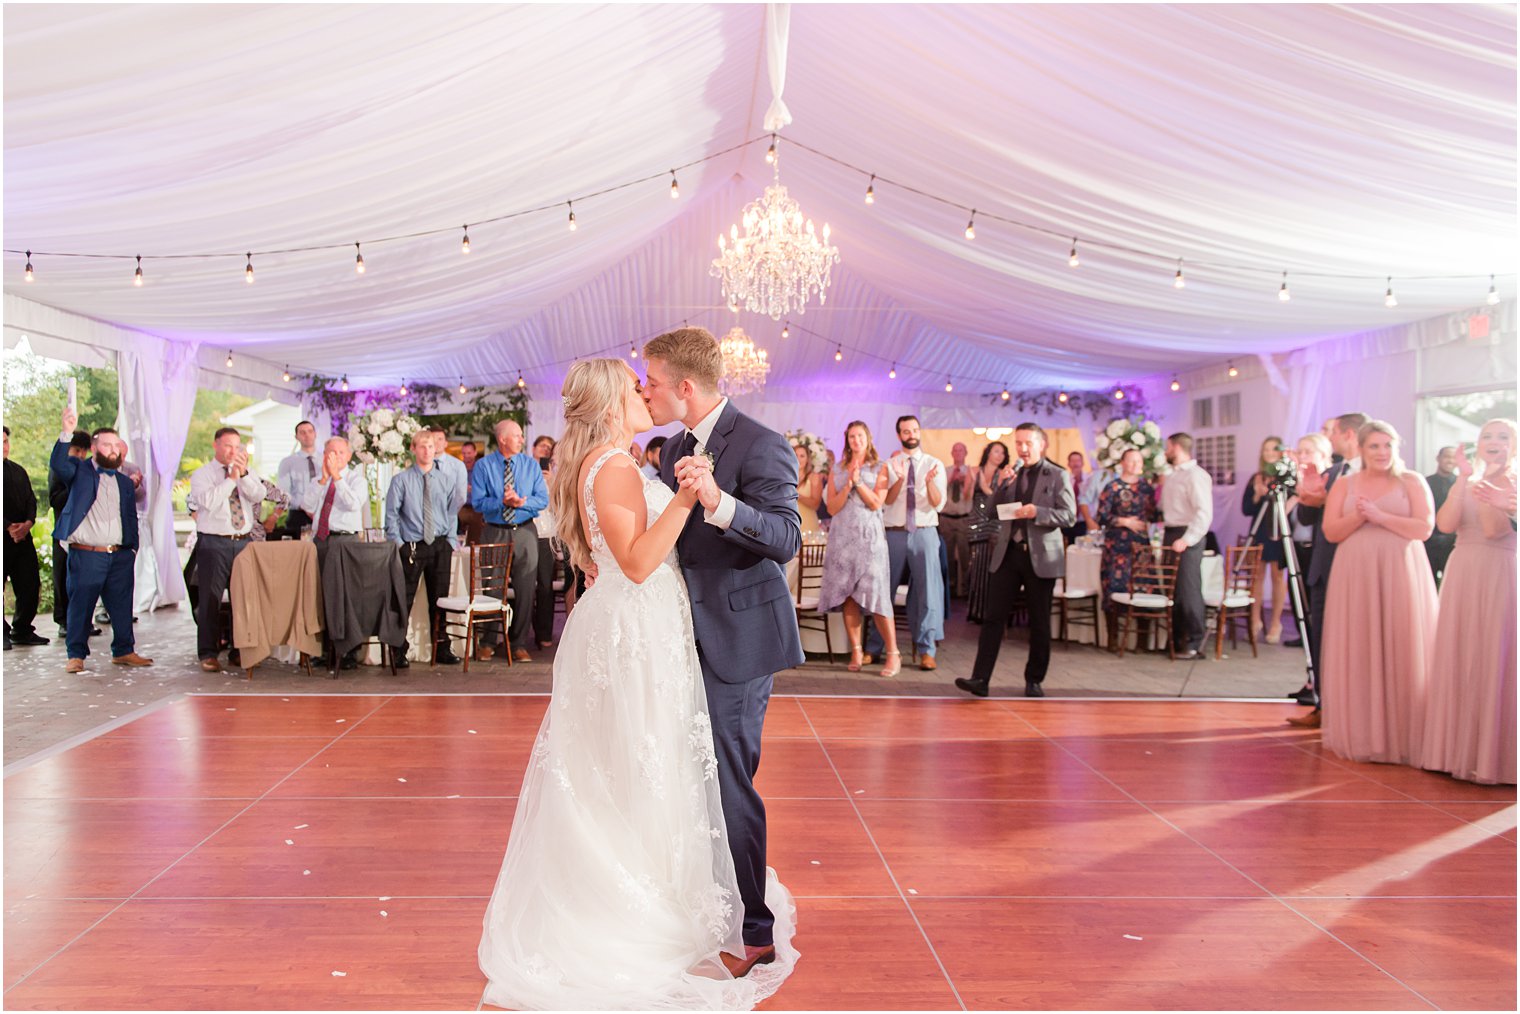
(618, 889)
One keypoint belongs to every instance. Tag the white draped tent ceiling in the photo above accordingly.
(1341, 144)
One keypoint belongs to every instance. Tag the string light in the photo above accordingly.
(1178, 281)
(464, 247)
(286, 375)
(770, 153)
(1389, 299)
(1176, 384)
(1063, 397)
(344, 385)
(971, 225)
(1233, 371)
(462, 389)
(786, 329)
(1283, 294)
(1493, 293)
(359, 260)
(229, 359)
(1118, 394)
(571, 206)
(633, 353)
(839, 354)
(1005, 395)
(137, 276)
(675, 188)
(948, 386)
(29, 275)
(1074, 260)
(402, 390)
(871, 191)
(248, 271)
(521, 383)
(892, 373)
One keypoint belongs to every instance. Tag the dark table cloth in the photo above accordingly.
(362, 594)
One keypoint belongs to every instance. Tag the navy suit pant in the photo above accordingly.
(737, 711)
(107, 577)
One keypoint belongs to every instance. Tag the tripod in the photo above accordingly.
(1297, 594)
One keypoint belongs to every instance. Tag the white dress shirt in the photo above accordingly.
(211, 489)
(459, 475)
(349, 502)
(926, 515)
(1187, 501)
(102, 522)
(723, 517)
(295, 474)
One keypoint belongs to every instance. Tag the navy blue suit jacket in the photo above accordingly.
(1323, 553)
(741, 604)
(81, 478)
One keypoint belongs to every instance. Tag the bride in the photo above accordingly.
(618, 888)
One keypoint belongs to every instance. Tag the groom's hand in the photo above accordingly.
(695, 474)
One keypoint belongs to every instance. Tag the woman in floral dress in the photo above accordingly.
(1126, 507)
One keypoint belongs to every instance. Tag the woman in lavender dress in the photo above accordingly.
(855, 562)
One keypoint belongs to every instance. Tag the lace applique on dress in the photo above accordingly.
(702, 748)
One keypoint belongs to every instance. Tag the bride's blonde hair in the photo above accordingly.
(594, 395)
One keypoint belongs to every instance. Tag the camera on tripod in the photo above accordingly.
(1282, 476)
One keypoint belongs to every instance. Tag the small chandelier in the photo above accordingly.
(779, 261)
(744, 366)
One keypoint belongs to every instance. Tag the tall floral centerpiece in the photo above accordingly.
(379, 437)
(818, 454)
(1132, 434)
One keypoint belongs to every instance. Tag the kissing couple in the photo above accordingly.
(635, 874)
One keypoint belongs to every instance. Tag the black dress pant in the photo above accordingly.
(1003, 585)
(543, 602)
(524, 579)
(1188, 613)
(429, 564)
(1316, 625)
(25, 576)
(215, 554)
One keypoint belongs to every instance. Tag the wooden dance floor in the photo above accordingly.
(324, 852)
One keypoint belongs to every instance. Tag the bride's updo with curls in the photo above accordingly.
(594, 395)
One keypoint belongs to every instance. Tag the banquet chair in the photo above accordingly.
(1152, 579)
(484, 605)
(1232, 602)
(1077, 607)
(809, 581)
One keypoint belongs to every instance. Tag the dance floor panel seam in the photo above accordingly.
(1191, 907)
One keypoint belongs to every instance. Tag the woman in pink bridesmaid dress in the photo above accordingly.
(1470, 726)
(1380, 608)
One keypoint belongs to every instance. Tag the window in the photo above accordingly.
(1229, 409)
(1216, 456)
(1203, 413)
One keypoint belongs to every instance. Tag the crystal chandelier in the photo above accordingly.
(744, 366)
(779, 261)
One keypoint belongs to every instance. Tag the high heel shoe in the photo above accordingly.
(855, 657)
(895, 667)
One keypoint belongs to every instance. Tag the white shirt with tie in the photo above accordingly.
(925, 514)
(723, 517)
(212, 490)
(298, 471)
(349, 502)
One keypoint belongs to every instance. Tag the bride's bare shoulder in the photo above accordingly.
(616, 465)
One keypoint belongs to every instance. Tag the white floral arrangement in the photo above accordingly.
(1123, 435)
(818, 454)
(382, 436)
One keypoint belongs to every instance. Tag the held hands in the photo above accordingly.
(1369, 510)
(19, 530)
(695, 475)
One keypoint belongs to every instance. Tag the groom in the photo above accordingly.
(732, 552)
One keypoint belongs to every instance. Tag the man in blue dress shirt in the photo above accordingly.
(420, 515)
(297, 472)
(508, 488)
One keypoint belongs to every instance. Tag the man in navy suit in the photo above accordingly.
(732, 552)
(98, 525)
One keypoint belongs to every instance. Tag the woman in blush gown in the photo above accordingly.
(618, 889)
(1470, 728)
(1380, 606)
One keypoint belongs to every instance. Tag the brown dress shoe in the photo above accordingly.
(211, 665)
(521, 655)
(1309, 721)
(131, 658)
(74, 665)
(927, 663)
(740, 967)
(484, 653)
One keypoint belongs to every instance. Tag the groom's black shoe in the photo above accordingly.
(1033, 689)
(740, 967)
(978, 687)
